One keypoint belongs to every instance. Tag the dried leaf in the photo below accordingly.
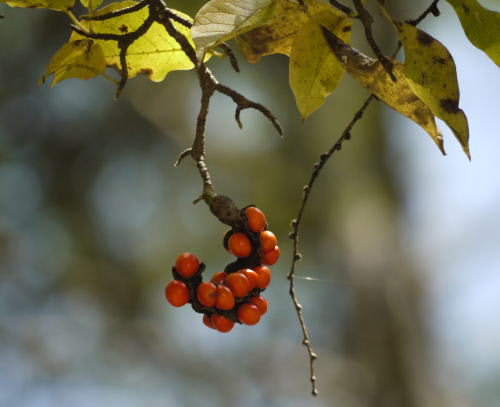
(398, 95)
(431, 73)
(278, 33)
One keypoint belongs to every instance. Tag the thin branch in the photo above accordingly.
(341, 7)
(367, 20)
(295, 224)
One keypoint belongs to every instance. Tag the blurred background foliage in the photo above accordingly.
(400, 244)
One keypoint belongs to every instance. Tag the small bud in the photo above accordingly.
(293, 223)
(298, 257)
(292, 235)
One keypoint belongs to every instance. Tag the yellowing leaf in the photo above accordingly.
(314, 71)
(58, 5)
(398, 95)
(278, 33)
(91, 4)
(482, 26)
(154, 54)
(220, 20)
(430, 71)
(81, 59)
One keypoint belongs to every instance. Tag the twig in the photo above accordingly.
(294, 235)
(367, 20)
(342, 8)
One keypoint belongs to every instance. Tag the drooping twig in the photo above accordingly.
(295, 224)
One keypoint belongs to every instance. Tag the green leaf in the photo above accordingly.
(481, 26)
(220, 20)
(314, 71)
(81, 59)
(154, 54)
(398, 95)
(58, 5)
(91, 4)
(278, 33)
(431, 73)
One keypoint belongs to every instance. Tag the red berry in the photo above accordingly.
(221, 323)
(256, 219)
(268, 240)
(207, 321)
(187, 265)
(271, 256)
(219, 277)
(252, 277)
(177, 293)
(264, 276)
(206, 293)
(248, 314)
(238, 283)
(224, 298)
(239, 245)
(260, 302)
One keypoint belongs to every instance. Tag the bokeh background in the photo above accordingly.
(400, 280)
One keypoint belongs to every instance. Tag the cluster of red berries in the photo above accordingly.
(232, 295)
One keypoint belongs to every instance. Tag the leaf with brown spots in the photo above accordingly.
(430, 71)
(481, 26)
(314, 71)
(397, 94)
(82, 59)
(57, 5)
(278, 33)
(154, 54)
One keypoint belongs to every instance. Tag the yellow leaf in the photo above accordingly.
(430, 71)
(81, 59)
(482, 26)
(398, 95)
(58, 5)
(314, 70)
(277, 35)
(154, 54)
(220, 20)
(91, 4)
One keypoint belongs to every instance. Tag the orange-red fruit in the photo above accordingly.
(238, 283)
(264, 276)
(219, 277)
(256, 219)
(239, 245)
(187, 265)
(221, 323)
(177, 293)
(207, 321)
(252, 277)
(260, 302)
(248, 314)
(268, 240)
(206, 293)
(271, 256)
(224, 298)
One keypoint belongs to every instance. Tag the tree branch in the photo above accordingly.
(296, 223)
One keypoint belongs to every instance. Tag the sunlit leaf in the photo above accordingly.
(58, 5)
(220, 20)
(430, 71)
(482, 26)
(154, 54)
(314, 71)
(81, 59)
(277, 35)
(398, 95)
(91, 4)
